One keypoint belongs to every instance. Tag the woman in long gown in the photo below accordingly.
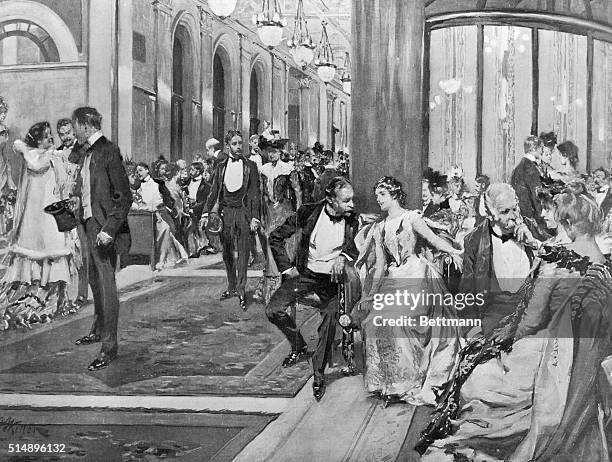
(156, 198)
(538, 391)
(404, 363)
(40, 258)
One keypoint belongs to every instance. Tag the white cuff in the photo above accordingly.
(346, 256)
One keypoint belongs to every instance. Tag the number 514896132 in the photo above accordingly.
(35, 447)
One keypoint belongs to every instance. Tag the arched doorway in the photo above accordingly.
(176, 124)
(218, 98)
(182, 93)
(254, 104)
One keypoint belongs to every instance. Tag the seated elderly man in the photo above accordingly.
(498, 255)
(155, 197)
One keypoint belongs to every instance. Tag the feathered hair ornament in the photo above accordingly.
(435, 178)
(455, 173)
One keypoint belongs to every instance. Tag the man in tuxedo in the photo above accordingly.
(498, 255)
(198, 190)
(482, 184)
(526, 180)
(65, 132)
(325, 247)
(105, 199)
(603, 194)
(235, 194)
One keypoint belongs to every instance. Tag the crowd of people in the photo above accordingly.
(42, 263)
(523, 373)
(517, 365)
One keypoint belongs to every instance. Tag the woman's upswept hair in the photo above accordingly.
(549, 139)
(546, 198)
(576, 208)
(36, 134)
(570, 151)
(394, 187)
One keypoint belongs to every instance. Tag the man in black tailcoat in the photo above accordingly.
(326, 245)
(236, 196)
(103, 190)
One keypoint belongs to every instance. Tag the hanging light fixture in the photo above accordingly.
(222, 8)
(326, 68)
(346, 74)
(301, 44)
(270, 23)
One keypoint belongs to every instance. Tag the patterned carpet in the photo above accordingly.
(108, 436)
(177, 340)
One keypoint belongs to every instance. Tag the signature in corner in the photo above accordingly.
(13, 426)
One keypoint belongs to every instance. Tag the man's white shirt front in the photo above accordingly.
(86, 175)
(193, 187)
(600, 196)
(510, 263)
(233, 175)
(326, 243)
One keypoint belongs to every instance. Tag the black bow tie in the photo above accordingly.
(334, 218)
(235, 159)
(503, 237)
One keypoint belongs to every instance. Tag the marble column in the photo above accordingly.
(102, 47)
(245, 93)
(207, 76)
(386, 98)
(124, 79)
(323, 113)
(304, 88)
(164, 78)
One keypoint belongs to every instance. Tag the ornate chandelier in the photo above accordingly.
(301, 44)
(270, 23)
(222, 8)
(326, 68)
(346, 75)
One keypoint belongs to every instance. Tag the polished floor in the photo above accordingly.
(196, 379)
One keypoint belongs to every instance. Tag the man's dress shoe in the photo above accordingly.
(228, 294)
(318, 390)
(294, 357)
(101, 362)
(243, 304)
(88, 339)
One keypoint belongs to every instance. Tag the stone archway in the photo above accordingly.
(183, 90)
(260, 85)
(218, 98)
(226, 73)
